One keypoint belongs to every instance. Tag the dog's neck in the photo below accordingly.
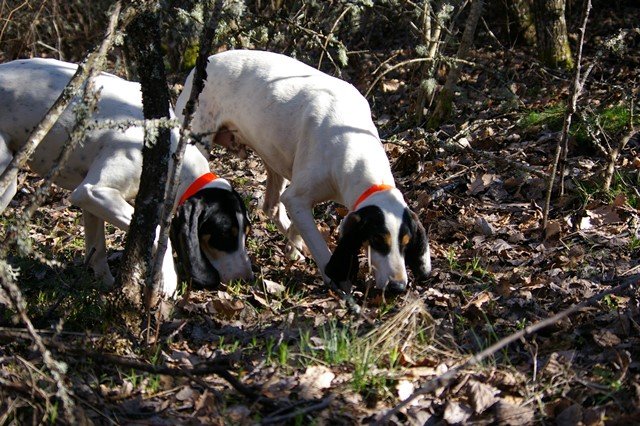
(193, 167)
(369, 174)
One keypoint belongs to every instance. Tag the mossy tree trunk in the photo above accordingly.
(551, 33)
(444, 102)
(525, 28)
(144, 49)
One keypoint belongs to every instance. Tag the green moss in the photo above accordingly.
(552, 117)
(612, 120)
(190, 56)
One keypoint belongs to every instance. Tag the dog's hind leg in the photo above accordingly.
(96, 255)
(5, 158)
(277, 212)
(272, 206)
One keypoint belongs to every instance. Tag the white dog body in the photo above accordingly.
(315, 131)
(103, 172)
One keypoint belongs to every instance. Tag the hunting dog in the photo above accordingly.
(316, 132)
(103, 173)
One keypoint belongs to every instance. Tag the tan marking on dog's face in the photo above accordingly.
(405, 240)
(380, 242)
(211, 252)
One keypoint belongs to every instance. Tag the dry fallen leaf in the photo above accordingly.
(225, 305)
(513, 415)
(314, 380)
(456, 412)
(603, 215)
(405, 389)
(570, 416)
(605, 338)
(481, 183)
(482, 396)
(273, 287)
(186, 393)
(553, 229)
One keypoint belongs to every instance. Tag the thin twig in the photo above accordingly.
(324, 403)
(576, 89)
(329, 36)
(447, 378)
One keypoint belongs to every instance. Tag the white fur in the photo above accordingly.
(103, 173)
(310, 129)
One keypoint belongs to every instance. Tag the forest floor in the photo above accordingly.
(478, 184)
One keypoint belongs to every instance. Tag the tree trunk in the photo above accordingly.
(551, 33)
(525, 28)
(444, 104)
(145, 50)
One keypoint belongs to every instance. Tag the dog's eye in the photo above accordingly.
(379, 242)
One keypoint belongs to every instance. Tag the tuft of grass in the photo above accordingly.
(552, 117)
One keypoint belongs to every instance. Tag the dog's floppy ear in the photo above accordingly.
(343, 265)
(184, 237)
(417, 253)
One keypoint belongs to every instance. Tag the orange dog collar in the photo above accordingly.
(196, 186)
(370, 191)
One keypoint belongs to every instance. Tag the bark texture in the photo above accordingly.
(145, 51)
(444, 103)
(551, 33)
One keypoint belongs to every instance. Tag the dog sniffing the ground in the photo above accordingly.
(316, 132)
(103, 173)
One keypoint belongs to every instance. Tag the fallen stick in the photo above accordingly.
(324, 403)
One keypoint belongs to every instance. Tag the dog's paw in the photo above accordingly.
(293, 253)
(168, 283)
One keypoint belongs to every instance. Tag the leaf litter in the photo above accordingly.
(298, 345)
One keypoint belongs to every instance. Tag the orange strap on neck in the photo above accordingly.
(197, 186)
(370, 191)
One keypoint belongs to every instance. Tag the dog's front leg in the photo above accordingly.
(300, 211)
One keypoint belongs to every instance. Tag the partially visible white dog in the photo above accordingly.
(315, 131)
(104, 173)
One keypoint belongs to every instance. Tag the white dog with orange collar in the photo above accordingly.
(315, 131)
(103, 173)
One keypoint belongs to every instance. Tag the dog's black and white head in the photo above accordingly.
(395, 237)
(209, 232)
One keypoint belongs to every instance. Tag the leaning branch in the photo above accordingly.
(447, 378)
(7, 276)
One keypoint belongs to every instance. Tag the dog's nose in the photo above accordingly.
(248, 276)
(394, 286)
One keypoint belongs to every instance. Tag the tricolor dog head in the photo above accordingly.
(209, 232)
(395, 237)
